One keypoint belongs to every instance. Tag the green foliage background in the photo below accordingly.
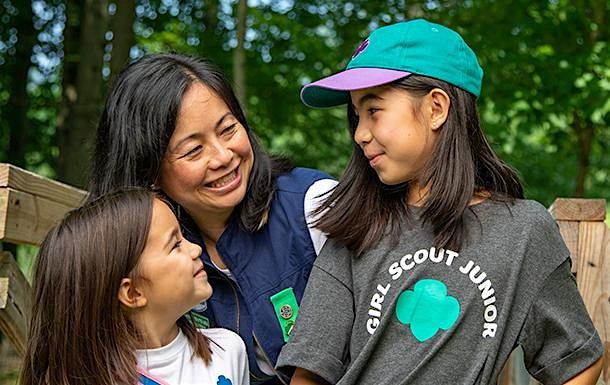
(545, 102)
(547, 74)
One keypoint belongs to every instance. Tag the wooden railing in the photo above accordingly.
(30, 205)
(581, 223)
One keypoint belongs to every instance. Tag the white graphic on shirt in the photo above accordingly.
(409, 261)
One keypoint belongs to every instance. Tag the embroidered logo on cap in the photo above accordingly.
(361, 48)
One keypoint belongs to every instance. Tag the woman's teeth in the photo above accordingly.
(224, 180)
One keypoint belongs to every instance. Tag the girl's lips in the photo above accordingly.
(373, 160)
(200, 273)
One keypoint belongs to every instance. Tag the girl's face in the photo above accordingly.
(209, 157)
(174, 278)
(396, 138)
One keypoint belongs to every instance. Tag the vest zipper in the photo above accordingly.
(232, 285)
(268, 360)
(236, 299)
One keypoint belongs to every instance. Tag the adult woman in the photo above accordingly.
(172, 122)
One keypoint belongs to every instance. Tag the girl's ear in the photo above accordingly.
(130, 295)
(439, 107)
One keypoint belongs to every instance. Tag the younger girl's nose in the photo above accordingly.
(194, 249)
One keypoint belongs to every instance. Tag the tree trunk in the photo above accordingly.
(584, 135)
(239, 54)
(20, 63)
(211, 40)
(123, 37)
(584, 128)
(82, 87)
(211, 16)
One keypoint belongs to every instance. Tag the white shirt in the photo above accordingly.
(174, 363)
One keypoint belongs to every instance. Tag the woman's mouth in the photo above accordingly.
(223, 181)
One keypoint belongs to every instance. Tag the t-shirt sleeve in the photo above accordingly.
(558, 338)
(319, 342)
(229, 356)
(314, 196)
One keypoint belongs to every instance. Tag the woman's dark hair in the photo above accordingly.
(462, 164)
(79, 332)
(139, 119)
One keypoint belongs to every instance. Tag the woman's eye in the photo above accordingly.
(177, 245)
(192, 151)
(229, 129)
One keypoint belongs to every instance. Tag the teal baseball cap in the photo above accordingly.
(396, 51)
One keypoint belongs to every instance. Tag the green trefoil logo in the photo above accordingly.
(427, 308)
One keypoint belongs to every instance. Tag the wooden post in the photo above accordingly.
(586, 235)
(14, 302)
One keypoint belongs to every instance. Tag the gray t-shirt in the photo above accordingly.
(409, 313)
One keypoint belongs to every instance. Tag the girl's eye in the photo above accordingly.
(177, 245)
(372, 110)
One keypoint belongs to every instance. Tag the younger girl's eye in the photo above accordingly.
(372, 110)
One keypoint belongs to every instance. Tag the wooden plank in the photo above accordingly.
(601, 319)
(573, 209)
(14, 302)
(569, 233)
(23, 180)
(593, 279)
(592, 249)
(26, 218)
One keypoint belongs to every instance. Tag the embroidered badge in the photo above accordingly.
(361, 47)
(200, 321)
(286, 310)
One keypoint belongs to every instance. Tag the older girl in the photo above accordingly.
(436, 268)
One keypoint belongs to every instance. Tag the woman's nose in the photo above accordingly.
(221, 157)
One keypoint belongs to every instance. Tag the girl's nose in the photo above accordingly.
(195, 249)
(362, 134)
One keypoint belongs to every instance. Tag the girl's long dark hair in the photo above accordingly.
(361, 210)
(79, 332)
(139, 118)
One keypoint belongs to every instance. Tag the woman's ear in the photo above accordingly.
(439, 107)
(130, 295)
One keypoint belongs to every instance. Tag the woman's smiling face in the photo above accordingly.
(209, 157)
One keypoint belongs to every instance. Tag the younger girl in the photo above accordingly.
(112, 284)
(436, 268)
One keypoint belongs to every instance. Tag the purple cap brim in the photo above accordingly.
(333, 90)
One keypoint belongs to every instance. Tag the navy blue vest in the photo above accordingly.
(265, 262)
